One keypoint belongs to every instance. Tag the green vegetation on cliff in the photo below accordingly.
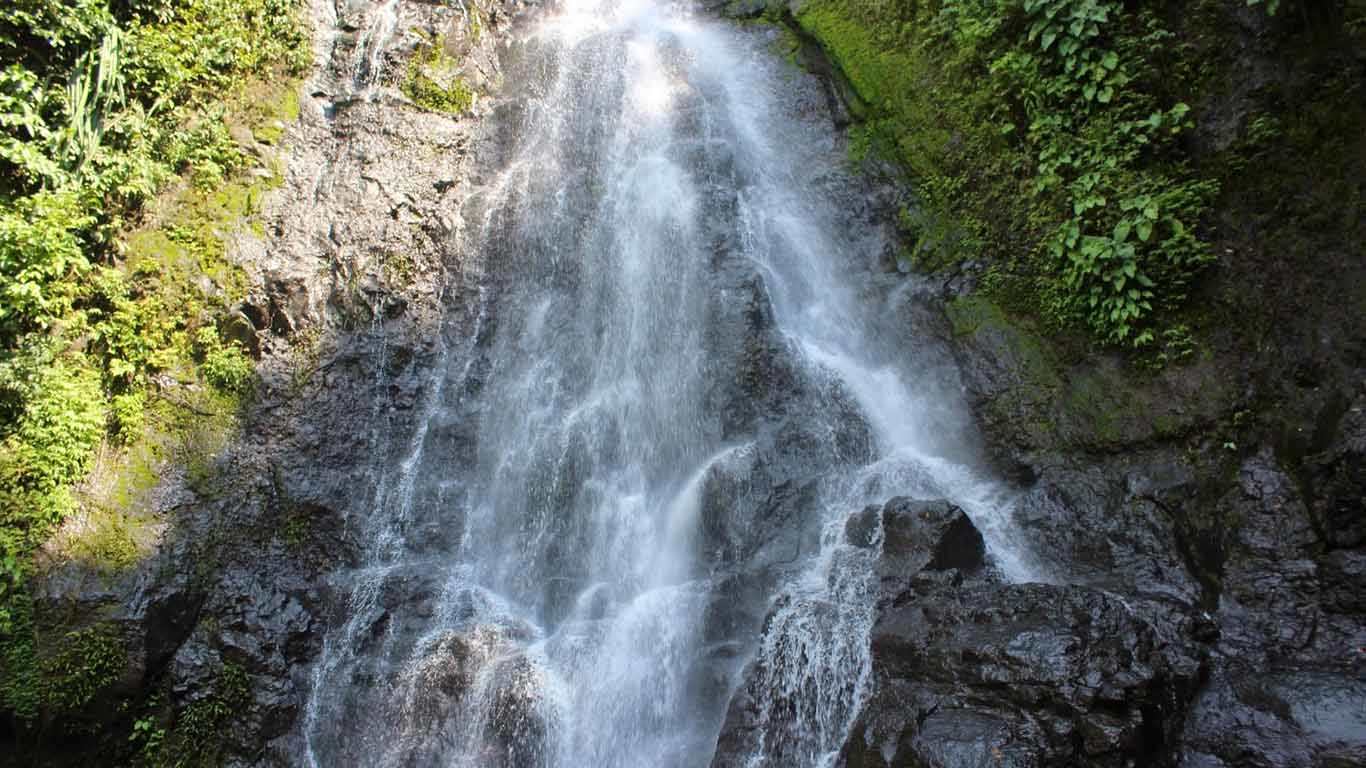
(432, 81)
(127, 131)
(1056, 140)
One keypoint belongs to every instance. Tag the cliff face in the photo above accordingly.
(1215, 485)
(198, 653)
(1198, 501)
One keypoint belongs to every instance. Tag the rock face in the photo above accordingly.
(1211, 598)
(969, 670)
(1020, 675)
(358, 272)
(1173, 494)
(1176, 495)
(1256, 526)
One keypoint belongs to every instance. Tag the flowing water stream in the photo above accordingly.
(634, 467)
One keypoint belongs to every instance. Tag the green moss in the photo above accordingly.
(1099, 406)
(107, 542)
(454, 98)
(476, 22)
(399, 270)
(275, 113)
(882, 74)
(1022, 408)
(787, 45)
(915, 114)
(1032, 359)
(433, 81)
(1042, 158)
(296, 527)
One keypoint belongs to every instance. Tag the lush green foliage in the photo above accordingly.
(85, 663)
(104, 106)
(197, 734)
(1042, 134)
(63, 673)
(48, 447)
(225, 364)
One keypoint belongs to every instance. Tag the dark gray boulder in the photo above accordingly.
(988, 673)
(972, 671)
(969, 670)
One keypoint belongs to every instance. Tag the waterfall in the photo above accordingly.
(632, 478)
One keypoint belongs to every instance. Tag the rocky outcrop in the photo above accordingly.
(1167, 491)
(1287, 689)
(1173, 489)
(970, 670)
(355, 273)
(1210, 566)
(1205, 515)
(1021, 675)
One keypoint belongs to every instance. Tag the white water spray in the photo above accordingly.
(633, 473)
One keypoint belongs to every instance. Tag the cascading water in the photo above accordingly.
(370, 47)
(690, 373)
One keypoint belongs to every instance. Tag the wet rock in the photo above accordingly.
(1337, 475)
(1039, 674)
(165, 612)
(481, 691)
(979, 672)
(1113, 525)
(970, 671)
(928, 535)
(240, 328)
(862, 529)
(744, 9)
(289, 305)
(918, 536)
(1288, 688)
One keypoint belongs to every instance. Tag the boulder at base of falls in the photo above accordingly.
(972, 671)
(1018, 675)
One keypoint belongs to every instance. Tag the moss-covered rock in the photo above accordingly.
(435, 81)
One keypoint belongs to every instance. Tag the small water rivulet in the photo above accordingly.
(633, 471)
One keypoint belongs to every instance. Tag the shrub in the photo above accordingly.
(101, 102)
(1040, 134)
(225, 364)
(50, 446)
(432, 82)
(42, 258)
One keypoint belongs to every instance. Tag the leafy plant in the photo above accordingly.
(225, 365)
(42, 258)
(101, 104)
(1038, 134)
(148, 735)
(85, 663)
